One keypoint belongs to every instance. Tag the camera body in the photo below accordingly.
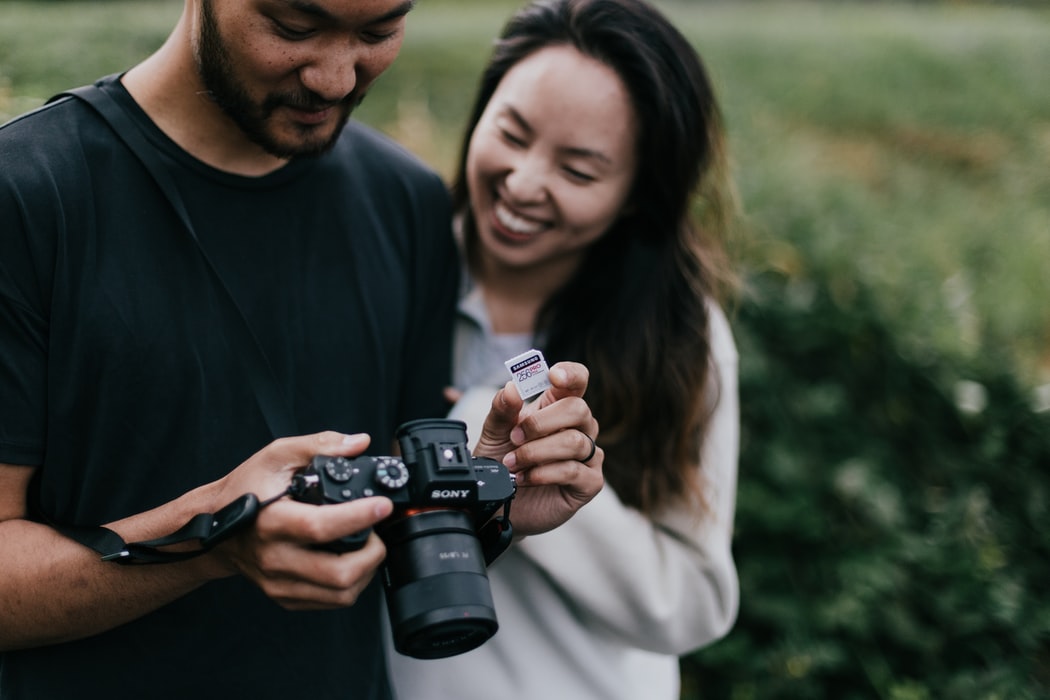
(444, 499)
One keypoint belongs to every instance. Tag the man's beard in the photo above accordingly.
(217, 73)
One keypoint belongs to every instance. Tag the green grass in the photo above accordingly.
(905, 146)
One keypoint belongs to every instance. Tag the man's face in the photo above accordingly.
(289, 72)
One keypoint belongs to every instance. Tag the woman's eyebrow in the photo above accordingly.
(524, 125)
(518, 119)
(589, 153)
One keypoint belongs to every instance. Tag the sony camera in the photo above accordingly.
(439, 538)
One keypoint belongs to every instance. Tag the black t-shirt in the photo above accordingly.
(122, 381)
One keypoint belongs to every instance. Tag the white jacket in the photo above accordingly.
(602, 606)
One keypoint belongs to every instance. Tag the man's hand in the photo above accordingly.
(549, 446)
(279, 554)
(54, 590)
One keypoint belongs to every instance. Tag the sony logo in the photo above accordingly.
(441, 494)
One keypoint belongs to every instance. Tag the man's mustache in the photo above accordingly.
(309, 102)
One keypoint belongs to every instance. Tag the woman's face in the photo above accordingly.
(552, 160)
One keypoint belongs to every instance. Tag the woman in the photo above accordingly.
(594, 134)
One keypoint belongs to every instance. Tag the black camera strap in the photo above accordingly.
(496, 535)
(275, 407)
(208, 528)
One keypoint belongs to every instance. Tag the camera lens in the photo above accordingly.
(437, 589)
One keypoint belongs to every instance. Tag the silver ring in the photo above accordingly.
(594, 448)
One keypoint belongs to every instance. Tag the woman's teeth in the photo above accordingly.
(517, 224)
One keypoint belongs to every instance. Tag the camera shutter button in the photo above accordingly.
(391, 473)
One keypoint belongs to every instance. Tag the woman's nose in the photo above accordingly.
(526, 182)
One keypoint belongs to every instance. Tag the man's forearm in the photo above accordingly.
(54, 590)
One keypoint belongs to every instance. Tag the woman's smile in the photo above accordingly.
(514, 225)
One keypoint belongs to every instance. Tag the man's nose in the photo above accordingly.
(332, 74)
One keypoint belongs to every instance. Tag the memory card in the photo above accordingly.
(529, 371)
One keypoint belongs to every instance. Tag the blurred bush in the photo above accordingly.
(893, 515)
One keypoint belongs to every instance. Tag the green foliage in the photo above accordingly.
(905, 144)
(890, 545)
(46, 47)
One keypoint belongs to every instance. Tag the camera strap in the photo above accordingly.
(496, 535)
(274, 406)
(208, 528)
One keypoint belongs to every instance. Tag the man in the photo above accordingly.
(308, 289)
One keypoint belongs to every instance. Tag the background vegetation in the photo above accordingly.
(894, 164)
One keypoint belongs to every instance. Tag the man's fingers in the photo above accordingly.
(307, 523)
(299, 450)
(285, 554)
(269, 471)
(301, 578)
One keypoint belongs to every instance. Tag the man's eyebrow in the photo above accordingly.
(315, 10)
(398, 12)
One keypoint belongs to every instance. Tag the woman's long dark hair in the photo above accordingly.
(635, 310)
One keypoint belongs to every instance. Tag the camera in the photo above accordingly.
(439, 538)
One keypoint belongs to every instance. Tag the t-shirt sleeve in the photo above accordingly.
(24, 217)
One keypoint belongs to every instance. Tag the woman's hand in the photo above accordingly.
(549, 446)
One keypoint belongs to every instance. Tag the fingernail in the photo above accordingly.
(509, 460)
(560, 375)
(517, 436)
(350, 439)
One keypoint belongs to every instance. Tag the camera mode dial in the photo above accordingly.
(391, 473)
(339, 469)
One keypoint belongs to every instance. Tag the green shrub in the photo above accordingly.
(890, 544)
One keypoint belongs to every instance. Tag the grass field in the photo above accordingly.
(906, 147)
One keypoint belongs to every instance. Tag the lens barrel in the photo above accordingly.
(437, 588)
